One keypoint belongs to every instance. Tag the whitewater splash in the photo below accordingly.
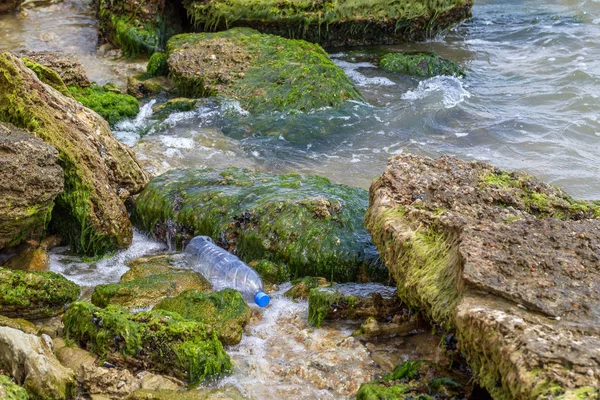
(447, 89)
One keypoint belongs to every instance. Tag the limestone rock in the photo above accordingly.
(19, 323)
(100, 172)
(507, 261)
(30, 180)
(68, 68)
(30, 361)
(30, 260)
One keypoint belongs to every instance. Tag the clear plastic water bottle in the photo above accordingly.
(224, 270)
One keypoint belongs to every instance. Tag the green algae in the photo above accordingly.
(157, 65)
(319, 303)
(179, 104)
(159, 340)
(332, 22)
(271, 272)
(111, 105)
(148, 290)
(34, 295)
(263, 72)
(314, 227)
(48, 76)
(539, 199)
(414, 380)
(10, 390)
(419, 64)
(225, 311)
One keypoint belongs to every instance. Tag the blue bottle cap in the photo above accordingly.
(262, 299)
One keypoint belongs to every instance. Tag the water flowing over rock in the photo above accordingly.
(338, 23)
(100, 173)
(30, 180)
(509, 262)
(263, 72)
(30, 361)
(313, 226)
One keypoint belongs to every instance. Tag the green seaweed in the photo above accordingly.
(32, 295)
(314, 227)
(162, 341)
(225, 311)
(332, 23)
(276, 74)
(111, 105)
(419, 64)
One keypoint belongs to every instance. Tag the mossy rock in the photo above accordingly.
(416, 380)
(112, 105)
(138, 28)
(20, 324)
(302, 286)
(271, 272)
(142, 86)
(352, 301)
(305, 222)
(157, 65)
(147, 291)
(159, 341)
(227, 393)
(263, 72)
(225, 311)
(154, 265)
(10, 390)
(339, 23)
(33, 295)
(100, 173)
(420, 64)
(48, 76)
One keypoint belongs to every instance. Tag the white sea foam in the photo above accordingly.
(449, 89)
(351, 69)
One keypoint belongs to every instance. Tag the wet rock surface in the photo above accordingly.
(313, 226)
(509, 262)
(30, 180)
(100, 173)
(263, 72)
(68, 68)
(30, 361)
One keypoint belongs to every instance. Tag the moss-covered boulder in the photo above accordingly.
(66, 66)
(419, 64)
(158, 65)
(263, 72)
(417, 380)
(142, 267)
(100, 173)
(34, 295)
(142, 86)
(155, 340)
(313, 226)
(149, 290)
(352, 301)
(225, 311)
(30, 180)
(20, 324)
(138, 27)
(107, 101)
(10, 390)
(337, 23)
(507, 261)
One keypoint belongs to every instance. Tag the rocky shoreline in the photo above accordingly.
(504, 265)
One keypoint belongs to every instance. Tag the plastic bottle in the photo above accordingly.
(224, 270)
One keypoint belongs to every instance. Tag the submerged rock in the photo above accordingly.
(225, 311)
(11, 391)
(154, 340)
(416, 380)
(148, 290)
(313, 226)
(352, 301)
(138, 27)
(30, 181)
(100, 173)
(30, 361)
(263, 72)
(33, 295)
(507, 261)
(419, 64)
(333, 23)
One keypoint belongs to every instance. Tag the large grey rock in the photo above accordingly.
(510, 263)
(30, 180)
(30, 361)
